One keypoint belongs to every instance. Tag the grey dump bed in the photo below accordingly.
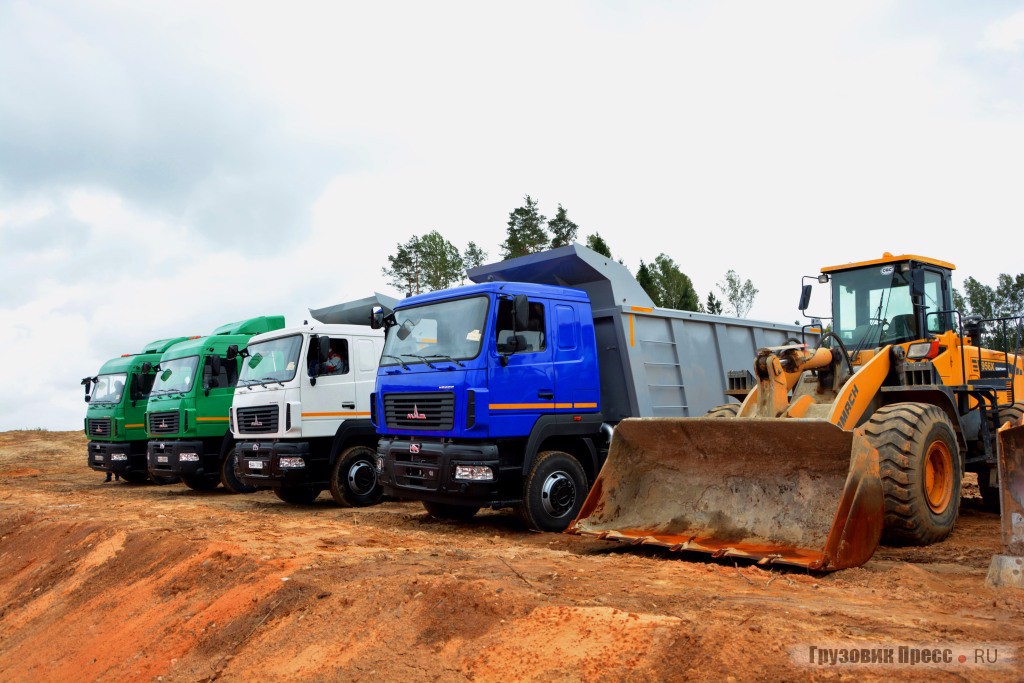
(654, 362)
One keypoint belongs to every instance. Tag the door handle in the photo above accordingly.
(545, 394)
(348, 405)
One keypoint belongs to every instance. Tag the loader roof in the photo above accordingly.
(889, 258)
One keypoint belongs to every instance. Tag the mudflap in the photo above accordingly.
(790, 491)
(1011, 487)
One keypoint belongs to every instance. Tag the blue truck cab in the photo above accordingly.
(505, 393)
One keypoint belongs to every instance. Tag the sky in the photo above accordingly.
(168, 167)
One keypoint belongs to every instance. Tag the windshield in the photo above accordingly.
(872, 307)
(439, 331)
(175, 375)
(108, 388)
(273, 360)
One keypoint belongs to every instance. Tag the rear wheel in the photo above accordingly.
(919, 462)
(725, 410)
(454, 512)
(554, 492)
(297, 495)
(354, 478)
(227, 475)
(198, 482)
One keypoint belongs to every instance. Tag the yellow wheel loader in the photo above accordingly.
(835, 447)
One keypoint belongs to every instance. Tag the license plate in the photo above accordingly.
(255, 464)
(161, 458)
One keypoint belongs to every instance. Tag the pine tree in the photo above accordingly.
(472, 257)
(713, 305)
(597, 243)
(674, 288)
(563, 230)
(646, 281)
(441, 261)
(404, 273)
(526, 233)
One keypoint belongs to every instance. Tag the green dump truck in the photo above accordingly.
(187, 412)
(114, 421)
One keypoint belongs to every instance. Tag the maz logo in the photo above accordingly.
(415, 414)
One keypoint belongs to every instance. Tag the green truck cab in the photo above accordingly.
(187, 412)
(114, 420)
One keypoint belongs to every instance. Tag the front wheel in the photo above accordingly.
(297, 495)
(354, 478)
(919, 462)
(228, 476)
(553, 492)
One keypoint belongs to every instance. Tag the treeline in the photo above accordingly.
(432, 262)
(1005, 300)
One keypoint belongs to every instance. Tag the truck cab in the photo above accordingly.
(114, 420)
(187, 411)
(301, 413)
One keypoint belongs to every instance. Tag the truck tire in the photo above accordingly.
(354, 478)
(553, 492)
(228, 477)
(453, 512)
(990, 494)
(297, 495)
(920, 466)
(133, 477)
(724, 410)
(200, 482)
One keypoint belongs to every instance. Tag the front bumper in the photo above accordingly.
(258, 463)
(163, 458)
(425, 470)
(116, 456)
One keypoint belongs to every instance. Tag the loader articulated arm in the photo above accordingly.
(778, 369)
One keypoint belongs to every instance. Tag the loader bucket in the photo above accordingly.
(1011, 484)
(797, 492)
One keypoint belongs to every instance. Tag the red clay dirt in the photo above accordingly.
(116, 581)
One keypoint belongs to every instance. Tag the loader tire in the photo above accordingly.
(354, 478)
(297, 495)
(228, 477)
(452, 512)
(553, 493)
(724, 410)
(920, 467)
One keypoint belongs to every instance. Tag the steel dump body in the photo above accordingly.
(800, 492)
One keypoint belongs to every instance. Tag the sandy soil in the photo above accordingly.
(114, 581)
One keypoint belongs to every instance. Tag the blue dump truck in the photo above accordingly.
(114, 420)
(187, 412)
(505, 393)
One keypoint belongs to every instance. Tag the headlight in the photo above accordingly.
(928, 349)
(118, 456)
(474, 472)
(292, 462)
(188, 457)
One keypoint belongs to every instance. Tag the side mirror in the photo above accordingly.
(323, 348)
(805, 297)
(916, 282)
(522, 311)
(87, 383)
(232, 352)
(377, 319)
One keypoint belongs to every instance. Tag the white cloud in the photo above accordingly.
(1005, 35)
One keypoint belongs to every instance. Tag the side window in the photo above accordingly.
(530, 340)
(366, 356)
(933, 298)
(566, 317)
(227, 377)
(336, 363)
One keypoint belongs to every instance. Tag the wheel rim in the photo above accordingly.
(558, 495)
(938, 477)
(361, 477)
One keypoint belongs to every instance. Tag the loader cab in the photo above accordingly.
(892, 300)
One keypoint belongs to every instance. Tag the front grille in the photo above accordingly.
(163, 423)
(258, 420)
(99, 427)
(430, 411)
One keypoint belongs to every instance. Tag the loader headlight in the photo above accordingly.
(474, 472)
(920, 350)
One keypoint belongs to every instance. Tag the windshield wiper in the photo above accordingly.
(266, 380)
(422, 358)
(446, 357)
(400, 361)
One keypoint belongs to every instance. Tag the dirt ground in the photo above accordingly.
(116, 581)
